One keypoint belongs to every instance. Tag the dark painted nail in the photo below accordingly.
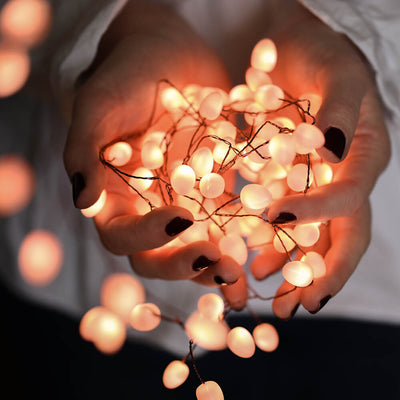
(177, 225)
(78, 184)
(219, 281)
(284, 217)
(202, 263)
(321, 304)
(335, 141)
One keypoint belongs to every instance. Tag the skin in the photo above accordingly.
(115, 100)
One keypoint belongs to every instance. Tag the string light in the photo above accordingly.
(175, 374)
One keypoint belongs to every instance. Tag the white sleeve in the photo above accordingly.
(374, 28)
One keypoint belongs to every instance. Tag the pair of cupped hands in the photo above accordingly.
(147, 43)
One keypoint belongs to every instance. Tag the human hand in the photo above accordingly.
(146, 43)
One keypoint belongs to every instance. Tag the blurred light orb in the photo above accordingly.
(17, 184)
(205, 332)
(145, 317)
(118, 154)
(175, 374)
(14, 69)
(209, 390)
(282, 149)
(202, 161)
(298, 273)
(212, 185)
(255, 78)
(234, 246)
(152, 155)
(40, 258)
(255, 197)
(316, 262)
(266, 337)
(183, 179)
(225, 130)
(241, 342)
(120, 292)
(306, 234)
(323, 173)
(211, 306)
(211, 106)
(269, 96)
(264, 55)
(25, 22)
(172, 100)
(86, 323)
(95, 208)
(223, 152)
(142, 179)
(298, 177)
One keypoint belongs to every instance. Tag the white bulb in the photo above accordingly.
(297, 177)
(260, 236)
(266, 337)
(142, 179)
(95, 208)
(209, 390)
(225, 130)
(267, 131)
(234, 246)
(264, 55)
(306, 234)
(118, 154)
(272, 171)
(211, 106)
(269, 96)
(282, 149)
(284, 122)
(307, 138)
(297, 273)
(256, 78)
(241, 342)
(240, 93)
(152, 155)
(211, 306)
(172, 100)
(183, 179)
(254, 114)
(322, 174)
(255, 197)
(175, 374)
(223, 153)
(212, 185)
(260, 153)
(158, 137)
(202, 161)
(145, 317)
(316, 262)
(282, 242)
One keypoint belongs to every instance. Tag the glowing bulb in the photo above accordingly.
(282, 242)
(209, 390)
(202, 161)
(175, 374)
(266, 337)
(95, 208)
(264, 55)
(40, 258)
(307, 138)
(118, 154)
(172, 99)
(207, 333)
(297, 177)
(183, 179)
(191, 201)
(234, 246)
(255, 197)
(256, 78)
(158, 137)
(297, 273)
(121, 292)
(145, 317)
(86, 323)
(260, 236)
(25, 21)
(240, 96)
(152, 155)
(306, 234)
(240, 342)
(284, 122)
(211, 306)
(316, 262)
(212, 185)
(260, 154)
(142, 179)
(267, 131)
(142, 206)
(315, 102)
(277, 189)
(282, 149)
(223, 153)
(254, 114)
(269, 96)
(322, 174)
(271, 172)
(17, 183)
(211, 106)
(14, 69)
(225, 130)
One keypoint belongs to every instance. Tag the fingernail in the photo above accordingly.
(321, 304)
(284, 217)
(177, 225)
(219, 281)
(335, 141)
(202, 263)
(78, 184)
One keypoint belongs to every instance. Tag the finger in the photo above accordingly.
(236, 295)
(175, 263)
(125, 233)
(267, 262)
(342, 88)
(350, 238)
(286, 301)
(225, 272)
